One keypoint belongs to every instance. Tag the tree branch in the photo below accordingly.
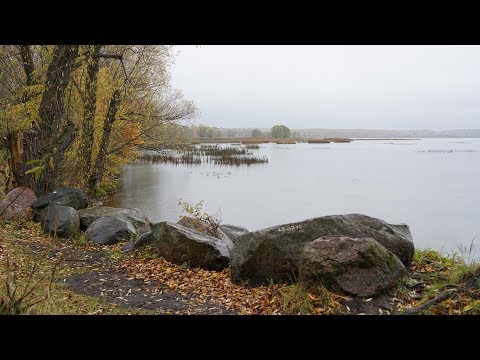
(439, 298)
(118, 57)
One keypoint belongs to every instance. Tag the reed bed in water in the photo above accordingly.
(252, 146)
(285, 141)
(239, 160)
(256, 141)
(188, 158)
(216, 150)
(447, 150)
(328, 140)
(205, 154)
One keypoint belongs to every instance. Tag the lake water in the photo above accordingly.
(433, 185)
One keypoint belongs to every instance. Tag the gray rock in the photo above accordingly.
(179, 244)
(146, 238)
(133, 216)
(110, 230)
(17, 204)
(71, 197)
(275, 252)
(61, 221)
(360, 267)
(200, 226)
(233, 232)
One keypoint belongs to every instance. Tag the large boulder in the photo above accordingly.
(110, 230)
(133, 216)
(360, 267)
(233, 232)
(179, 244)
(61, 221)
(146, 238)
(200, 226)
(71, 197)
(17, 204)
(274, 253)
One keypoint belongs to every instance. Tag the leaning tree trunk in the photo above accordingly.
(90, 107)
(22, 145)
(97, 174)
(53, 137)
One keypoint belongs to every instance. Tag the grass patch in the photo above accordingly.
(148, 252)
(296, 300)
(299, 301)
(434, 274)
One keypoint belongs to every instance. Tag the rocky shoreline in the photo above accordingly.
(352, 254)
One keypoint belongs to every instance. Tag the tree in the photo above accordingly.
(232, 133)
(280, 132)
(37, 143)
(257, 133)
(89, 105)
(210, 133)
(202, 130)
(71, 109)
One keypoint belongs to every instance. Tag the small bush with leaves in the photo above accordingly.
(212, 221)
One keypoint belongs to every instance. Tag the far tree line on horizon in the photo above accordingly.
(205, 131)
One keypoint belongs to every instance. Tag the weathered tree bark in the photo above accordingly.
(22, 147)
(52, 137)
(90, 107)
(97, 174)
(27, 62)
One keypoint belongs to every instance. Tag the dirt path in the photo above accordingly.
(114, 285)
(96, 273)
(118, 288)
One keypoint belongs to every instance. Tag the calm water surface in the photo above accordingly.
(433, 185)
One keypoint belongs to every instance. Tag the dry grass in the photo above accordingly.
(285, 141)
(328, 140)
(255, 140)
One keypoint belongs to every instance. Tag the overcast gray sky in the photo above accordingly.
(373, 87)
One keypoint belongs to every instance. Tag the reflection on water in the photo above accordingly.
(432, 185)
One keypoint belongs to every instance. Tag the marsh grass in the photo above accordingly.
(23, 287)
(205, 154)
(447, 151)
(217, 150)
(328, 140)
(285, 141)
(434, 274)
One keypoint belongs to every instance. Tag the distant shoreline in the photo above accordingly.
(385, 139)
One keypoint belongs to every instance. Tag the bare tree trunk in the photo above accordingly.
(90, 107)
(97, 174)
